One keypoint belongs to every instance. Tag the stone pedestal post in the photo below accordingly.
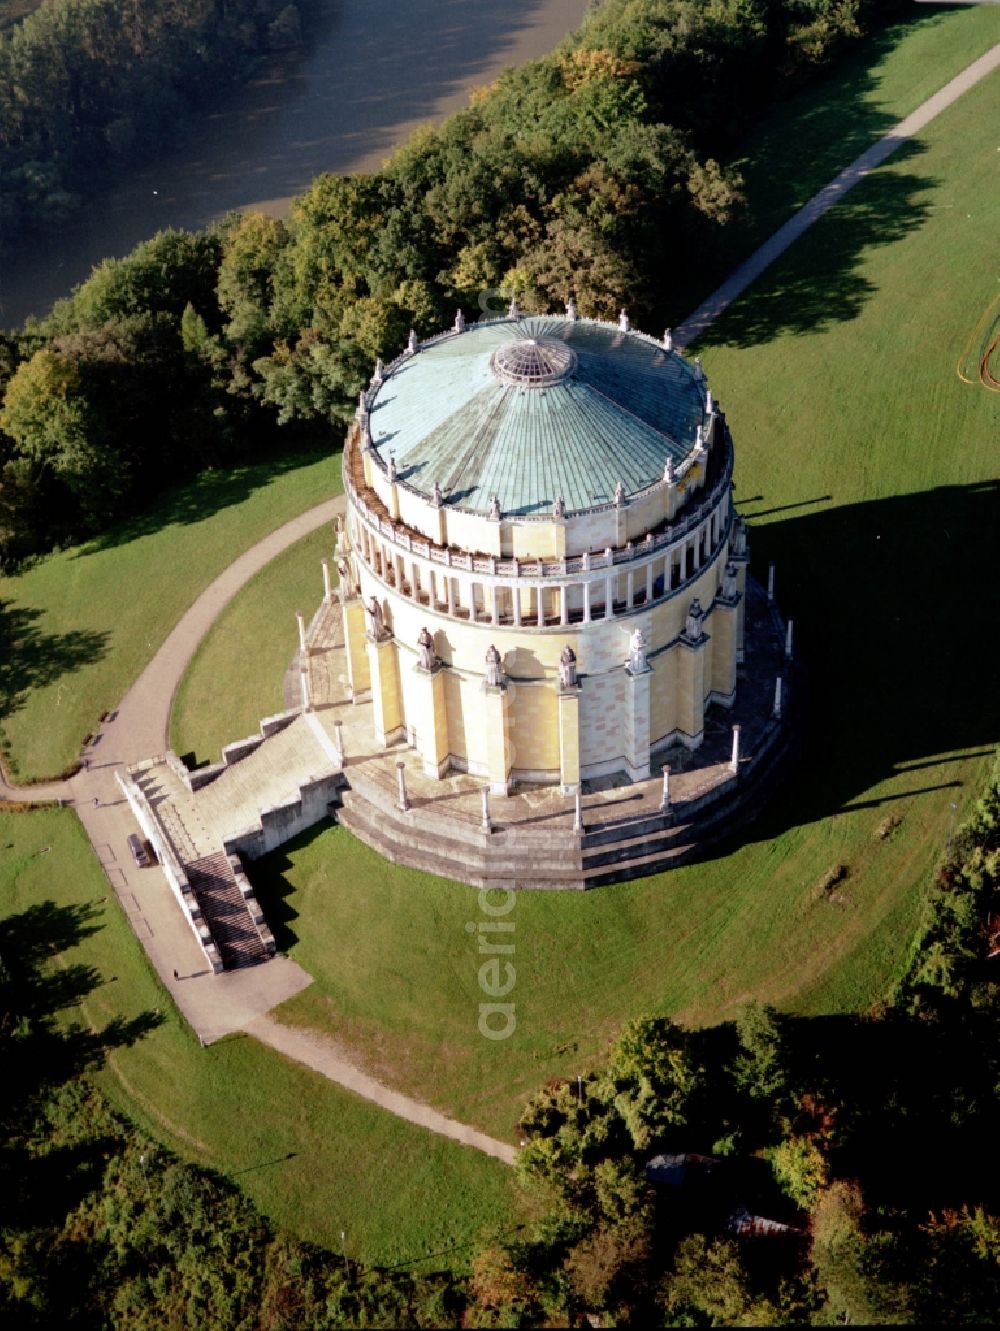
(499, 749)
(776, 709)
(788, 640)
(487, 823)
(304, 686)
(568, 703)
(770, 584)
(734, 761)
(637, 723)
(665, 797)
(338, 727)
(358, 671)
(403, 799)
(387, 706)
(301, 621)
(690, 715)
(429, 721)
(327, 583)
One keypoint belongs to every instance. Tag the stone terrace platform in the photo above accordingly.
(307, 765)
(533, 840)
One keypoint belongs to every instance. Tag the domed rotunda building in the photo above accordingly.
(542, 574)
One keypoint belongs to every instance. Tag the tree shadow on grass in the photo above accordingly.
(33, 659)
(813, 134)
(203, 496)
(36, 986)
(897, 643)
(818, 282)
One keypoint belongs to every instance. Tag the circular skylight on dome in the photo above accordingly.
(533, 362)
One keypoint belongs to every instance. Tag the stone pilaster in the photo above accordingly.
(358, 671)
(637, 723)
(568, 702)
(499, 750)
(387, 706)
(725, 644)
(691, 691)
(739, 554)
(742, 564)
(429, 719)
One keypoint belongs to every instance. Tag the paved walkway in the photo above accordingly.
(325, 1057)
(740, 278)
(213, 1005)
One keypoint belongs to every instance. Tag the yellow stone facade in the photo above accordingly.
(670, 562)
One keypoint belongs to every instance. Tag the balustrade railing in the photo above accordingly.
(493, 566)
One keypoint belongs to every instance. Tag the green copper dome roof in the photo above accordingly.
(533, 409)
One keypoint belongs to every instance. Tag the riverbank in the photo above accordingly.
(376, 70)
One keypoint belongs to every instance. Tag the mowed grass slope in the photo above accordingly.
(249, 647)
(78, 627)
(868, 470)
(313, 1157)
(801, 145)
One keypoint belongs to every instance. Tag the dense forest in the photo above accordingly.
(87, 85)
(593, 172)
(812, 1171)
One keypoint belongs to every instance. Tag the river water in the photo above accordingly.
(375, 70)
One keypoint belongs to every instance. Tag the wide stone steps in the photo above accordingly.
(493, 863)
(160, 794)
(372, 783)
(605, 853)
(271, 775)
(708, 827)
(225, 911)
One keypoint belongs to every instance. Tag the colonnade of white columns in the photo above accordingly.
(621, 587)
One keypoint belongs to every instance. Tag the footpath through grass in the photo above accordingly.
(803, 143)
(313, 1157)
(868, 471)
(79, 627)
(250, 646)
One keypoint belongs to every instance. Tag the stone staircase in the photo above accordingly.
(226, 911)
(650, 844)
(443, 848)
(552, 858)
(272, 774)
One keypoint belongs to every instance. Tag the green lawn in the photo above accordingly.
(252, 641)
(314, 1158)
(78, 628)
(868, 470)
(869, 473)
(804, 143)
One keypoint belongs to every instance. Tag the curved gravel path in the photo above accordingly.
(141, 727)
(214, 1005)
(748, 271)
(325, 1057)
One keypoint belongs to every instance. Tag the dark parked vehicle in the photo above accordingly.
(139, 852)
